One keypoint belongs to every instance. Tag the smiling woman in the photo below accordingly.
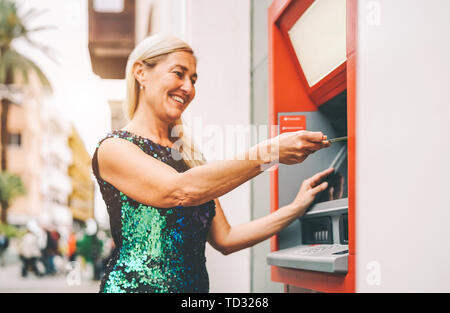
(161, 196)
(157, 250)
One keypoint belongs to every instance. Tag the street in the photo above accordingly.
(12, 282)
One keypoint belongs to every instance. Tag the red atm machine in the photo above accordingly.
(377, 72)
(311, 69)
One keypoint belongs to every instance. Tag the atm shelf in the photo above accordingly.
(334, 206)
(323, 258)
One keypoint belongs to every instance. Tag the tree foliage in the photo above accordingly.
(13, 26)
(11, 187)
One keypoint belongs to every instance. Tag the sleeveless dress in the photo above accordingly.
(157, 249)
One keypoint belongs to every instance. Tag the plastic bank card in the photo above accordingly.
(338, 139)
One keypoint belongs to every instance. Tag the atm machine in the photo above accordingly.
(308, 71)
(377, 73)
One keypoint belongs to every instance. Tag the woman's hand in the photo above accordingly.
(308, 191)
(295, 147)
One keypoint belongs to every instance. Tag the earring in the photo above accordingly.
(141, 87)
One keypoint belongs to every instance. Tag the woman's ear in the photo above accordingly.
(139, 72)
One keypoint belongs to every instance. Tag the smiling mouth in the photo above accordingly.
(178, 99)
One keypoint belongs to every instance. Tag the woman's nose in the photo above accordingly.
(187, 86)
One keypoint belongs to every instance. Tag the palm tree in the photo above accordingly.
(13, 26)
(10, 188)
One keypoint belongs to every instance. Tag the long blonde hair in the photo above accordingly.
(152, 50)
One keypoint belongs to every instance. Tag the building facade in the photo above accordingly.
(23, 155)
(26, 131)
(81, 199)
(38, 152)
(56, 157)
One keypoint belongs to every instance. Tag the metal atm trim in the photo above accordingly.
(334, 206)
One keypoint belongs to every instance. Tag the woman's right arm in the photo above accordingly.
(152, 182)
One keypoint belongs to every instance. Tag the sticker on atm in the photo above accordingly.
(292, 123)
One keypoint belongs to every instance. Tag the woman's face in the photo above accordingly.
(169, 85)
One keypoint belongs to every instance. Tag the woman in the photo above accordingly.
(162, 197)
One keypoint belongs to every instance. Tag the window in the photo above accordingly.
(15, 140)
(108, 6)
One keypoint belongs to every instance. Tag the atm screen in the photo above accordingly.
(337, 182)
(335, 110)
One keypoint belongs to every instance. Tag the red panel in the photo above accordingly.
(351, 26)
(330, 86)
(292, 13)
(289, 92)
(351, 120)
(351, 145)
(316, 280)
(292, 123)
(276, 9)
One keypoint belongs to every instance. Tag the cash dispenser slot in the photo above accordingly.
(317, 230)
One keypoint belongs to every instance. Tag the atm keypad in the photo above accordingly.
(322, 249)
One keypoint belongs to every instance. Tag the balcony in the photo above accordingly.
(111, 36)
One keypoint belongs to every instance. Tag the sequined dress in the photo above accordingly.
(157, 249)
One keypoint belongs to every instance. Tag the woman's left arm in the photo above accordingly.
(228, 239)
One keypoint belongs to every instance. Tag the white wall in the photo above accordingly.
(403, 153)
(166, 16)
(219, 32)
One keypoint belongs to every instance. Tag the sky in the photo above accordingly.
(79, 95)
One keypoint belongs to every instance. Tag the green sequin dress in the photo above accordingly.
(157, 249)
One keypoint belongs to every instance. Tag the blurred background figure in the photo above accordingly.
(58, 259)
(50, 251)
(72, 247)
(29, 253)
(90, 249)
(4, 243)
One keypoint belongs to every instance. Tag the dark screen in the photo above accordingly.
(335, 111)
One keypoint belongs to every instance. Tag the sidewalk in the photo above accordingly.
(12, 282)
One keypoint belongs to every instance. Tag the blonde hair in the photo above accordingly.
(152, 50)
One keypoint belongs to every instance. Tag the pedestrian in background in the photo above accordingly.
(72, 247)
(48, 253)
(58, 260)
(90, 248)
(4, 243)
(29, 253)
